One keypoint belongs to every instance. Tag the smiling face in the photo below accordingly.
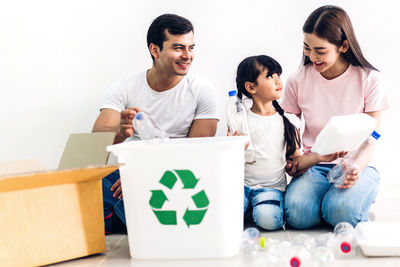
(325, 56)
(177, 54)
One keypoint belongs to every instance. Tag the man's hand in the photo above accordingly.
(110, 120)
(117, 189)
(127, 115)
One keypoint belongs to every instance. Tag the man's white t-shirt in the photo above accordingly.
(174, 110)
(267, 135)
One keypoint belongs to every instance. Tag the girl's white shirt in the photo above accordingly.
(267, 134)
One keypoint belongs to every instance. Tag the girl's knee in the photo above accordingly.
(268, 216)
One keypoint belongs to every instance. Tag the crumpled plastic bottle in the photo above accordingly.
(352, 160)
(250, 241)
(146, 127)
(346, 242)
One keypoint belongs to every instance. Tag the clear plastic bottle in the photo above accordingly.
(236, 115)
(250, 241)
(305, 240)
(299, 256)
(352, 160)
(278, 253)
(322, 256)
(326, 240)
(346, 242)
(146, 127)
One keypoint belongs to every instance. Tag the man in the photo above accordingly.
(183, 106)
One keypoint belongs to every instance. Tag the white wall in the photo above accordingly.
(57, 58)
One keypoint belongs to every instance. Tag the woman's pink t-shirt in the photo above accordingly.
(357, 90)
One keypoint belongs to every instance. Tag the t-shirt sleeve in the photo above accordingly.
(115, 96)
(290, 96)
(206, 103)
(375, 94)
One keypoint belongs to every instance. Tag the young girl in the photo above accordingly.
(275, 139)
(335, 79)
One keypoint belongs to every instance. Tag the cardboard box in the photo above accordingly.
(53, 216)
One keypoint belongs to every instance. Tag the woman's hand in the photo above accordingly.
(351, 177)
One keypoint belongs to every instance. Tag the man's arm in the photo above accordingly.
(203, 128)
(110, 120)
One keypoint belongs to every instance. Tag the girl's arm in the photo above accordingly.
(307, 161)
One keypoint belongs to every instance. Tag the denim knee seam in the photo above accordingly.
(271, 202)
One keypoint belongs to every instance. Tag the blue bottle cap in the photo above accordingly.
(375, 135)
(139, 116)
(232, 93)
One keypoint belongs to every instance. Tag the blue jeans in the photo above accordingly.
(114, 213)
(266, 206)
(311, 198)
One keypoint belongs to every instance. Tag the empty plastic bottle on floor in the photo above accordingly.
(146, 127)
(322, 256)
(346, 242)
(352, 160)
(300, 257)
(326, 240)
(250, 241)
(305, 240)
(236, 115)
(294, 254)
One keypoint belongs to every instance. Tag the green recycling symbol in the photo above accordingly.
(189, 181)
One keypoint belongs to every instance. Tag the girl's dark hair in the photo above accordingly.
(248, 71)
(333, 24)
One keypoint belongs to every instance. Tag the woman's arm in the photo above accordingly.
(352, 178)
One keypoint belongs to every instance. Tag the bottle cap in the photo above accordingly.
(345, 247)
(139, 116)
(232, 93)
(375, 135)
(262, 242)
(295, 262)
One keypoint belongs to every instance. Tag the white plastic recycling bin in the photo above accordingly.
(183, 198)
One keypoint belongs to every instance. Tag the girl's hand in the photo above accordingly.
(236, 133)
(291, 168)
(351, 178)
(332, 157)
